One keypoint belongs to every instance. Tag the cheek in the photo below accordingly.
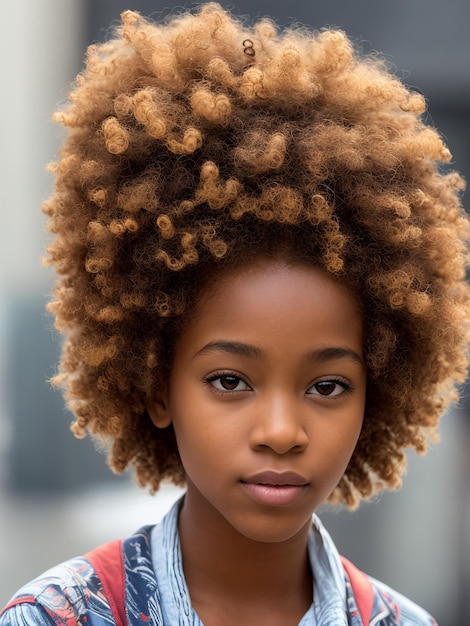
(341, 439)
(202, 456)
(352, 436)
(353, 431)
(347, 444)
(197, 435)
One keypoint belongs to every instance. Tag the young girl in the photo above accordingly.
(262, 288)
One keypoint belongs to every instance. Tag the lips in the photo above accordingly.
(275, 488)
(276, 479)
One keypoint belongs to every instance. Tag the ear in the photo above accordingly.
(158, 409)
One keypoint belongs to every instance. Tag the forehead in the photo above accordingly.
(267, 277)
(270, 299)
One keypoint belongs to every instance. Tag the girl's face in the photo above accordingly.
(266, 395)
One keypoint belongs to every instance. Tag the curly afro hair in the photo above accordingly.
(199, 144)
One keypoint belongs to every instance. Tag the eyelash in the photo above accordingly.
(343, 383)
(209, 380)
(346, 386)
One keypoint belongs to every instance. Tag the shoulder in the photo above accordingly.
(400, 609)
(81, 590)
(368, 600)
(378, 604)
(59, 596)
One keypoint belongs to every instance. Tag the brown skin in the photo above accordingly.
(291, 399)
(233, 580)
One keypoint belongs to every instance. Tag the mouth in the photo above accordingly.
(275, 488)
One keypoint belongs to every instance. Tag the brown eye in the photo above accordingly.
(230, 383)
(331, 388)
(326, 388)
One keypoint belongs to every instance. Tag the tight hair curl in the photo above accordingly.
(199, 144)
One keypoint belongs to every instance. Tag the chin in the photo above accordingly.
(272, 528)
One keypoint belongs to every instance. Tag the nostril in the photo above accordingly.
(281, 436)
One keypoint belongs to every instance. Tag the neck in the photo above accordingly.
(220, 562)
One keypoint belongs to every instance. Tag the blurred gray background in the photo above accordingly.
(57, 498)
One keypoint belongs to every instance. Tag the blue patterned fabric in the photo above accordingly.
(156, 593)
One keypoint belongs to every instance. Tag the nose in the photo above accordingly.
(278, 425)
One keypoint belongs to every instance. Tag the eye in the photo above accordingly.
(227, 383)
(331, 388)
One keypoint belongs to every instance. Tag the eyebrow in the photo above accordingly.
(333, 354)
(321, 355)
(232, 347)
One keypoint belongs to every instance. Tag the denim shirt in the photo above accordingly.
(156, 593)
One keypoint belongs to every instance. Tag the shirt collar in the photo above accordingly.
(328, 609)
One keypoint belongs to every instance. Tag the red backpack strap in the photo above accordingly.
(108, 562)
(362, 589)
(17, 601)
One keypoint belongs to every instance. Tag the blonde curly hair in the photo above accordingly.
(201, 144)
